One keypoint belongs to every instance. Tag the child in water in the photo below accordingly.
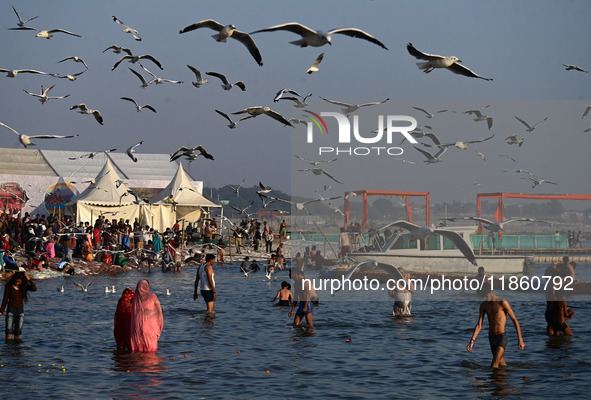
(284, 295)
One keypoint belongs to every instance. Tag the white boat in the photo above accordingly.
(438, 255)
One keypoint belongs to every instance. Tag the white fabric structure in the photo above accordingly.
(186, 201)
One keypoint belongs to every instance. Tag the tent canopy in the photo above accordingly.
(182, 192)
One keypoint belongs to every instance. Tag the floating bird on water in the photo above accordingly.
(435, 61)
(61, 289)
(127, 29)
(310, 37)
(428, 114)
(157, 79)
(43, 97)
(432, 159)
(226, 84)
(76, 59)
(200, 81)
(26, 139)
(258, 110)
(530, 128)
(186, 151)
(82, 109)
(12, 73)
(82, 287)
(351, 108)
(49, 33)
(145, 83)
(570, 67)
(225, 32)
(320, 171)
(168, 292)
(131, 150)
(513, 139)
(314, 67)
(137, 107)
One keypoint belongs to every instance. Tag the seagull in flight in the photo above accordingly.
(118, 49)
(227, 85)
(320, 171)
(236, 190)
(225, 32)
(432, 159)
(310, 37)
(12, 73)
(298, 205)
(463, 145)
(493, 226)
(351, 108)
(156, 79)
(137, 107)
(131, 150)
(428, 114)
(242, 210)
(312, 162)
(82, 287)
(403, 160)
(513, 139)
(258, 110)
(48, 34)
(481, 117)
(145, 83)
(127, 29)
(188, 151)
(76, 59)
(21, 23)
(26, 140)
(200, 81)
(92, 154)
(82, 109)
(43, 97)
(570, 67)
(433, 61)
(538, 181)
(71, 77)
(232, 124)
(507, 156)
(133, 59)
(530, 128)
(280, 94)
(263, 189)
(314, 67)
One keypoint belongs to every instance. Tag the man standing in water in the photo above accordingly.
(204, 280)
(496, 310)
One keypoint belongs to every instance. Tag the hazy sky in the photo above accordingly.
(521, 45)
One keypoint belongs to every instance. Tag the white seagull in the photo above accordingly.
(138, 107)
(530, 128)
(225, 32)
(320, 171)
(156, 79)
(494, 226)
(264, 189)
(127, 29)
(131, 150)
(538, 181)
(43, 97)
(71, 77)
(428, 114)
(513, 139)
(200, 81)
(145, 83)
(92, 155)
(133, 59)
(310, 37)
(236, 189)
(258, 110)
(82, 287)
(12, 73)
(314, 67)
(118, 49)
(435, 61)
(463, 145)
(432, 159)
(82, 109)
(481, 117)
(227, 85)
(48, 34)
(232, 124)
(186, 151)
(76, 59)
(21, 23)
(283, 91)
(26, 140)
(570, 67)
(314, 163)
(351, 108)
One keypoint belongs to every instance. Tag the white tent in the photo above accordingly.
(184, 197)
(106, 195)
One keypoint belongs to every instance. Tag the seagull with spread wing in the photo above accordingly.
(48, 34)
(314, 67)
(75, 59)
(433, 61)
(138, 107)
(26, 139)
(530, 128)
(188, 151)
(258, 110)
(225, 83)
(199, 80)
(320, 171)
(570, 67)
(314, 163)
(44, 96)
(157, 79)
(481, 117)
(232, 124)
(236, 189)
(493, 226)
(127, 29)
(21, 23)
(83, 109)
(225, 32)
(131, 150)
(145, 83)
(432, 158)
(464, 145)
(71, 77)
(513, 139)
(428, 114)
(12, 73)
(133, 59)
(351, 108)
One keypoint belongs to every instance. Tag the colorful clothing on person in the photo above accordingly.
(122, 327)
(146, 319)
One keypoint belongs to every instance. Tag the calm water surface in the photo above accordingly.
(68, 348)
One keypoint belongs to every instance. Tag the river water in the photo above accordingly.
(67, 349)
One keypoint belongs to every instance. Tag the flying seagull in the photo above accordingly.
(570, 67)
(538, 181)
(280, 94)
(312, 162)
(310, 37)
(320, 171)
(236, 189)
(76, 59)
(133, 59)
(118, 49)
(137, 107)
(21, 23)
(263, 189)
(351, 108)
(530, 128)
(481, 117)
(12, 73)
(463, 145)
(43, 97)
(298, 205)
(157, 79)
(71, 77)
(127, 29)
(432, 159)
(507, 156)
(428, 114)
(186, 151)
(494, 226)
(403, 160)
(49, 33)
(92, 154)
(433, 61)
(145, 83)
(227, 85)
(200, 81)
(131, 150)
(82, 109)
(232, 124)
(82, 287)
(26, 140)
(225, 32)
(314, 67)
(513, 139)
(258, 110)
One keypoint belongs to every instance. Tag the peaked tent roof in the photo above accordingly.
(105, 190)
(182, 191)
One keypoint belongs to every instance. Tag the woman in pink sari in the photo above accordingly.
(146, 319)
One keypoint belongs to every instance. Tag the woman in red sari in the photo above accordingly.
(146, 319)
(122, 328)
